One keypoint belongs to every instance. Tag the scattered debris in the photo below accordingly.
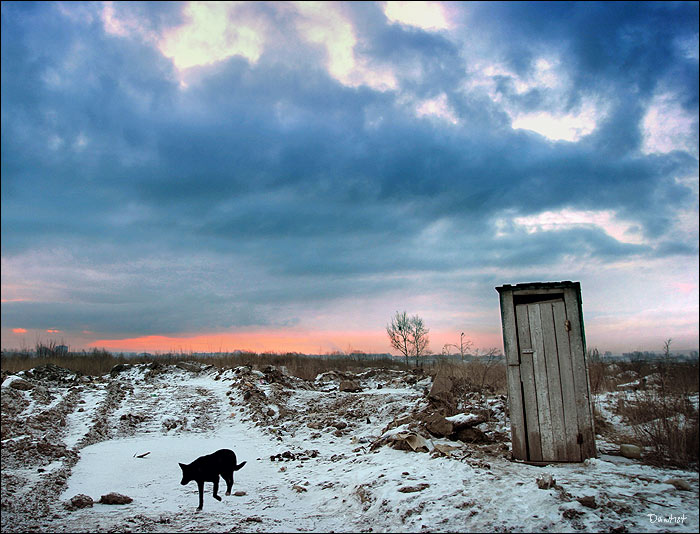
(438, 425)
(119, 368)
(404, 441)
(350, 386)
(545, 481)
(413, 489)
(442, 449)
(21, 385)
(142, 455)
(572, 513)
(289, 455)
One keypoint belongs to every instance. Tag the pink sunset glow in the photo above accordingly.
(305, 342)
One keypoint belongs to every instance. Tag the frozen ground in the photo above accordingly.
(315, 462)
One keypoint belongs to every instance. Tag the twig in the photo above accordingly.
(142, 455)
(642, 498)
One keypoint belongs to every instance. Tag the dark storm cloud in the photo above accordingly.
(301, 175)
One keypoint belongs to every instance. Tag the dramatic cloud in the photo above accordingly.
(200, 168)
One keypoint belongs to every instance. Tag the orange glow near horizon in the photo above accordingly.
(305, 342)
(19, 330)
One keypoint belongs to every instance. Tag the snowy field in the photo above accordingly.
(315, 461)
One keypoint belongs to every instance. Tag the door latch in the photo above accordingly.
(567, 324)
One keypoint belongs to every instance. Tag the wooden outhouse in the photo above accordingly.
(549, 397)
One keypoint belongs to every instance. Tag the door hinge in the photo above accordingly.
(567, 324)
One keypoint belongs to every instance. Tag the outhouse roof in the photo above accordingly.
(530, 286)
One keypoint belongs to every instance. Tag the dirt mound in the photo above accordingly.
(52, 373)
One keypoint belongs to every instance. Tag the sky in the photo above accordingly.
(287, 176)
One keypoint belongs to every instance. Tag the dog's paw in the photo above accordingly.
(228, 493)
(217, 497)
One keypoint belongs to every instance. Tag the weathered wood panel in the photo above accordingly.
(515, 394)
(544, 412)
(578, 362)
(566, 376)
(527, 375)
(517, 415)
(556, 405)
(510, 334)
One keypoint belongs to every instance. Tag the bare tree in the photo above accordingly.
(463, 347)
(419, 338)
(399, 332)
(408, 335)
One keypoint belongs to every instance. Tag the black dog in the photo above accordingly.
(208, 468)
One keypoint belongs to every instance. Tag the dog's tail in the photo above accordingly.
(239, 466)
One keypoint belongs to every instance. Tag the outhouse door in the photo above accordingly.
(549, 398)
(548, 382)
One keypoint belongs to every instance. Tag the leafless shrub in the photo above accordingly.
(668, 423)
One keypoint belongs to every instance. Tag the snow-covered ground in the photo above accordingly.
(311, 466)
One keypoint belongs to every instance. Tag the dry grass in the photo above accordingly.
(667, 423)
(487, 376)
(662, 412)
(100, 362)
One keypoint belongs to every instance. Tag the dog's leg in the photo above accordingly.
(229, 483)
(216, 489)
(200, 486)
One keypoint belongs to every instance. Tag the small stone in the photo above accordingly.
(679, 484)
(630, 451)
(80, 501)
(239, 493)
(115, 498)
(299, 489)
(588, 501)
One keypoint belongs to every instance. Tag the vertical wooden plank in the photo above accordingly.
(540, 368)
(515, 409)
(515, 390)
(566, 375)
(510, 333)
(534, 445)
(553, 382)
(578, 359)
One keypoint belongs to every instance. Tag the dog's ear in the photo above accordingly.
(182, 466)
